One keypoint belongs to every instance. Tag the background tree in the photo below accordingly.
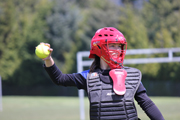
(69, 25)
(63, 26)
(8, 48)
(22, 28)
(162, 22)
(97, 15)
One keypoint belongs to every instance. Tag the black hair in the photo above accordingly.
(95, 64)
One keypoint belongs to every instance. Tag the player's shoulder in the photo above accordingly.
(85, 73)
(131, 69)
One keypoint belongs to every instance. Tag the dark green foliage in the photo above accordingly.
(162, 23)
(62, 29)
(23, 29)
(69, 25)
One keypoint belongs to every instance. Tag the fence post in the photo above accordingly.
(80, 92)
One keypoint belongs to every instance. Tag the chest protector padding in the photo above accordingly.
(105, 104)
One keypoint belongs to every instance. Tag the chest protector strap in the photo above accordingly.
(105, 104)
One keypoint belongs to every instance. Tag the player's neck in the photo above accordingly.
(104, 65)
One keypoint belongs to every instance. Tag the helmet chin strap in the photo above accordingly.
(120, 64)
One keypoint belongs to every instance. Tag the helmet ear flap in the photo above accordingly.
(95, 49)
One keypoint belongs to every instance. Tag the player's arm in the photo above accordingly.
(75, 79)
(49, 62)
(147, 104)
(58, 77)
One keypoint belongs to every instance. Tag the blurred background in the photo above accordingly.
(69, 25)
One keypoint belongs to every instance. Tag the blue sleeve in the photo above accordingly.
(85, 73)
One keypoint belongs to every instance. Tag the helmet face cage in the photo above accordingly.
(116, 53)
(100, 46)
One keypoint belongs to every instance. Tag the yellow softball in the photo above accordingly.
(42, 51)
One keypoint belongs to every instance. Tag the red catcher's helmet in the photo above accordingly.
(99, 46)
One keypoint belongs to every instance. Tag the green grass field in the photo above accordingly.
(67, 108)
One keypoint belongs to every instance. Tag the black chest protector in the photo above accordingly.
(105, 104)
